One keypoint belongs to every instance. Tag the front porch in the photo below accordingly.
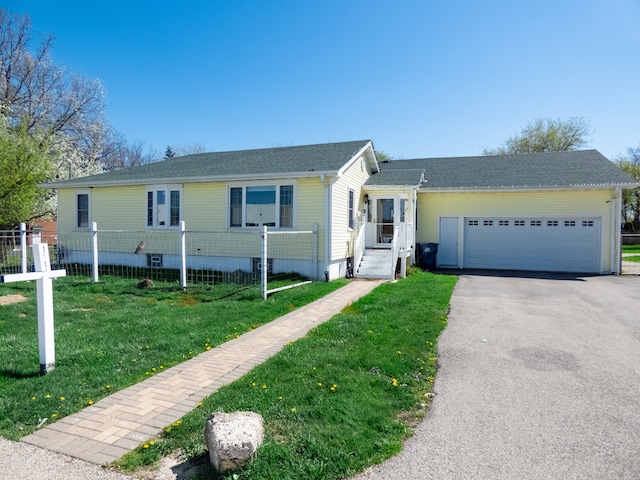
(385, 237)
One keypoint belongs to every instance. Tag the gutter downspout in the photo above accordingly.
(326, 181)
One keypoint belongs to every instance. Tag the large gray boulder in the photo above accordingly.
(233, 438)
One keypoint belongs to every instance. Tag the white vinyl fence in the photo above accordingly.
(188, 257)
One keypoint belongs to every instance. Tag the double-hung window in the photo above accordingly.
(257, 205)
(82, 210)
(351, 209)
(163, 206)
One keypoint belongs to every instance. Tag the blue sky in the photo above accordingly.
(419, 78)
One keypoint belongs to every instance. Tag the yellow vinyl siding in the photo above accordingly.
(113, 208)
(309, 208)
(67, 210)
(586, 203)
(205, 205)
(119, 208)
(343, 237)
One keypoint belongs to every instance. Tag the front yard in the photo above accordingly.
(340, 399)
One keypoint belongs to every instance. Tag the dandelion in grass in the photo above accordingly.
(319, 384)
(334, 387)
(151, 442)
(399, 352)
(147, 373)
(293, 409)
(264, 385)
(108, 387)
(199, 404)
(90, 402)
(153, 369)
(146, 445)
(208, 348)
(394, 382)
(33, 398)
(253, 384)
(147, 347)
(280, 398)
(47, 396)
(161, 367)
(54, 415)
(62, 399)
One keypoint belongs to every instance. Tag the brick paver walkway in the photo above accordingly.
(103, 432)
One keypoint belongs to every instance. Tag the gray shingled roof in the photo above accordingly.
(261, 163)
(586, 168)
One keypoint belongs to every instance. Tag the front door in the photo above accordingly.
(384, 215)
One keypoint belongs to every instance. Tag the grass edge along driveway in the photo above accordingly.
(340, 399)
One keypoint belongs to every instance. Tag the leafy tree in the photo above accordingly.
(546, 135)
(25, 162)
(630, 163)
(383, 156)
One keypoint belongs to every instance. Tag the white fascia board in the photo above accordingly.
(208, 179)
(524, 189)
(372, 188)
(357, 155)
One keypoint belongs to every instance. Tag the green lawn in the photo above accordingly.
(633, 258)
(111, 335)
(338, 400)
(631, 249)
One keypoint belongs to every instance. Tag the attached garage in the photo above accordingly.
(552, 211)
(557, 244)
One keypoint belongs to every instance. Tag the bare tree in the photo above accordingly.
(69, 110)
(190, 149)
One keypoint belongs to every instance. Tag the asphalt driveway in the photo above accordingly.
(539, 378)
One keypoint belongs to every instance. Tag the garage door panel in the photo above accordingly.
(543, 244)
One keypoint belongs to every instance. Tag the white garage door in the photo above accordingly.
(545, 244)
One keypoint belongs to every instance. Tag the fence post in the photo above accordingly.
(264, 265)
(315, 251)
(183, 256)
(94, 235)
(23, 246)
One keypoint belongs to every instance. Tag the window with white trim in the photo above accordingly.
(163, 206)
(351, 209)
(82, 210)
(257, 205)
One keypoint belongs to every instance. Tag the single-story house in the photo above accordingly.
(558, 211)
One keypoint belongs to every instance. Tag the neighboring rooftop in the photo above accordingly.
(265, 163)
(585, 168)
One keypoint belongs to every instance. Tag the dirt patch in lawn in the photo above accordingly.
(9, 299)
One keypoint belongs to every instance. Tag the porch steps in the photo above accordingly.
(376, 263)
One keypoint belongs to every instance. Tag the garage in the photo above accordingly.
(560, 244)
